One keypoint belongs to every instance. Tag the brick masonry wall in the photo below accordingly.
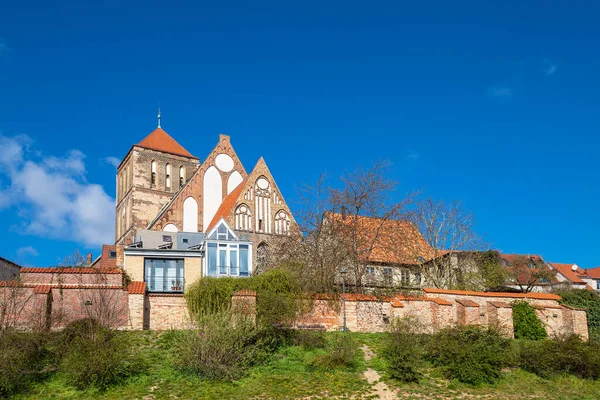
(167, 312)
(437, 313)
(109, 306)
(136, 303)
(71, 279)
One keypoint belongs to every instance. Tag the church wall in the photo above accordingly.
(196, 187)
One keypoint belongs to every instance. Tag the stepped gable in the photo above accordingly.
(246, 197)
(172, 212)
(160, 140)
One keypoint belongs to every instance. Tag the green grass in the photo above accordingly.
(290, 375)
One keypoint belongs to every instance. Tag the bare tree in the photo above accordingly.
(313, 253)
(526, 272)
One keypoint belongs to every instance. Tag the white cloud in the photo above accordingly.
(51, 195)
(114, 161)
(550, 68)
(501, 92)
(412, 156)
(23, 252)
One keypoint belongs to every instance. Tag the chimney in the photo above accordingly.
(343, 213)
(89, 259)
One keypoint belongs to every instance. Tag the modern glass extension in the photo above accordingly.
(164, 275)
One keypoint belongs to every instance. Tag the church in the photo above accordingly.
(179, 217)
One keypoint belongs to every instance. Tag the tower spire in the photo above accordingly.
(159, 116)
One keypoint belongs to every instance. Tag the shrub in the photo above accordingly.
(590, 302)
(100, 358)
(309, 339)
(223, 347)
(21, 360)
(403, 350)
(342, 352)
(526, 324)
(469, 354)
(567, 354)
(277, 296)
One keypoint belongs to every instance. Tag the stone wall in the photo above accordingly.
(367, 313)
(167, 311)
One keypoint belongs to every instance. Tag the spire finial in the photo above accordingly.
(159, 116)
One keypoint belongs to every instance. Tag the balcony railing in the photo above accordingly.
(165, 284)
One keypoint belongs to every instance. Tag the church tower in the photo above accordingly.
(147, 179)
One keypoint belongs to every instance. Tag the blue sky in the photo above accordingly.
(495, 105)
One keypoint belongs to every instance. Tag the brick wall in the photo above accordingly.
(167, 311)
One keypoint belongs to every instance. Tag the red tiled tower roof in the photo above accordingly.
(161, 141)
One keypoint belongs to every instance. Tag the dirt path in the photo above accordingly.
(379, 389)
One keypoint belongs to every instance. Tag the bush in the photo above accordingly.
(568, 354)
(223, 347)
(590, 302)
(403, 350)
(309, 339)
(99, 357)
(342, 352)
(21, 360)
(469, 354)
(526, 324)
(277, 296)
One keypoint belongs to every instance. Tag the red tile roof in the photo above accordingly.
(227, 205)
(389, 241)
(71, 271)
(360, 297)
(593, 272)
(42, 289)
(161, 141)
(467, 303)
(137, 287)
(567, 272)
(537, 296)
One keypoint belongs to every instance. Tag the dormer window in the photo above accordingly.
(112, 254)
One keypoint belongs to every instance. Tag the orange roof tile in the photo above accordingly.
(161, 141)
(593, 272)
(360, 297)
(227, 205)
(538, 296)
(467, 303)
(42, 289)
(567, 272)
(439, 301)
(71, 271)
(137, 287)
(388, 241)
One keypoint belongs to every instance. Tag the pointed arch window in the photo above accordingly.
(243, 218)
(181, 176)
(282, 223)
(168, 176)
(262, 205)
(153, 173)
